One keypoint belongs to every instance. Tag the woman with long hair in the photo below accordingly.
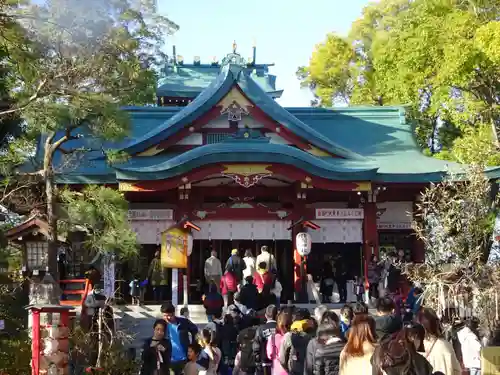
(356, 355)
(399, 355)
(438, 351)
(283, 324)
(211, 355)
(249, 260)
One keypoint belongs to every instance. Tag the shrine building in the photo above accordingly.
(219, 151)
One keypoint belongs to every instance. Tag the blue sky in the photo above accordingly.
(285, 33)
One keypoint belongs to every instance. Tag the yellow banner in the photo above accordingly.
(174, 248)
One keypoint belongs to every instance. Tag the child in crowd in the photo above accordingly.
(213, 301)
(192, 367)
(135, 290)
(211, 355)
(359, 288)
(185, 312)
(346, 316)
(144, 287)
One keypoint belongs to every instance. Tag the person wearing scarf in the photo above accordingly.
(156, 352)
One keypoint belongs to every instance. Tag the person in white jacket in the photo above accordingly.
(249, 264)
(471, 348)
(266, 257)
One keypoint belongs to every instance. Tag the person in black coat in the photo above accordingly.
(249, 295)
(156, 352)
(328, 349)
(263, 333)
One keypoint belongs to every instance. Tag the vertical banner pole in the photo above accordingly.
(175, 286)
(186, 287)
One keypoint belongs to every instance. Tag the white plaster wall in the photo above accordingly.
(275, 138)
(192, 139)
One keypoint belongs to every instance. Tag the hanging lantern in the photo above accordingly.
(189, 240)
(303, 242)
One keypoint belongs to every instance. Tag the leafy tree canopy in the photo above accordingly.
(71, 66)
(438, 57)
(102, 213)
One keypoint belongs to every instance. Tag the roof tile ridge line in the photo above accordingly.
(138, 108)
(154, 132)
(348, 109)
(342, 150)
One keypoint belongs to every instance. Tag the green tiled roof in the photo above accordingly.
(375, 143)
(190, 80)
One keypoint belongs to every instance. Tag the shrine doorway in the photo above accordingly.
(281, 249)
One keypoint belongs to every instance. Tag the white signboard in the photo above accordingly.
(394, 215)
(109, 277)
(338, 231)
(340, 213)
(166, 214)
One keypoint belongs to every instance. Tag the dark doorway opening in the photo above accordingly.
(281, 249)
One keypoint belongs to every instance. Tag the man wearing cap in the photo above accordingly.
(235, 265)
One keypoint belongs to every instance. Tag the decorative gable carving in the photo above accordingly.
(234, 108)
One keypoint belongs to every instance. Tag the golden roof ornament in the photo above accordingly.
(234, 46)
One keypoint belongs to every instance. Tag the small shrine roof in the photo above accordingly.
(189, 80)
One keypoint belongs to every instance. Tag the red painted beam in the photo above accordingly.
(174, 182)
(316, 181)
(290, 172)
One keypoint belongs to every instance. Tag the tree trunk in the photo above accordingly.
(50, 195)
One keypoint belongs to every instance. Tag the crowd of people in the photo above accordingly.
(292, 341)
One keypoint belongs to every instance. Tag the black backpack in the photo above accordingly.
(245, 341)
(295, 355)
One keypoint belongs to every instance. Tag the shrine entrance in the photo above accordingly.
(281, 249)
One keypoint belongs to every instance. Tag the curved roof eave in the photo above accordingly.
(271, 108)
(162, 168)
(207, 99)
(230, 75)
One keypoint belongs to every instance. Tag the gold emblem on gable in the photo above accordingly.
(234, 97)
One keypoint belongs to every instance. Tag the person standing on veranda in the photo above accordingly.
(249, 264)
(268, 258)
(213, 270)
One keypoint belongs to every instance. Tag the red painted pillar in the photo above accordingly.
(370, 235)
(297, 261)
(35, 343)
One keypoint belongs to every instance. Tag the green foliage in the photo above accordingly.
(102, 213)
(438, 57)
(15, 345)
(455, 221)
